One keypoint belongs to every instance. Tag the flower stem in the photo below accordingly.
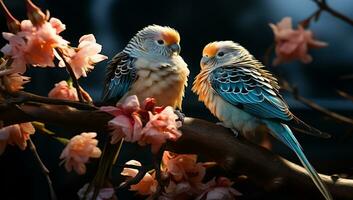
(44, 169)
(105, 165)
(72, 75)
(157, 159)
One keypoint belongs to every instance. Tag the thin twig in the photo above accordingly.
(315, 106)
(44, 169)
(315, 15)
(324, 6)
(22, 97)
(72, 75)
(345, 95)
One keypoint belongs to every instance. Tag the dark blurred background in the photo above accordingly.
(114, 22)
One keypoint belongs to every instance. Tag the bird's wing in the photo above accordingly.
(255, 91)
(249, 89)
(120, 75)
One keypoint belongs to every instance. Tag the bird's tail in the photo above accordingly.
(284, 134)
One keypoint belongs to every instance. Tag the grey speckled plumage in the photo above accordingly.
(148, 69)
(149, 66)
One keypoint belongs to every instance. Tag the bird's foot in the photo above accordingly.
(235, 131)
(181, 116)
(221, 124)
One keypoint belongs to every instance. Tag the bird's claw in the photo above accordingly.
(181, 116)
(221, 124)
(235, 132)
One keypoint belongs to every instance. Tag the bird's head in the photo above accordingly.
(222, 53)
(156, 40)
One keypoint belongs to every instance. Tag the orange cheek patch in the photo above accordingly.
(210, 50)
(170, 37)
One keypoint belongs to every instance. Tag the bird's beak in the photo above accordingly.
(175, 48)
(204, 61)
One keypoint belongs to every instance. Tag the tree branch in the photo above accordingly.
(22, 97)
(215, 143)
(295, 92)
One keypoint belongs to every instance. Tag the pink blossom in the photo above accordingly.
(148, 184)
(57, 25)
(220, 188)
(160, 128)
(185, 176)
(15, 49)
(131, 104)
(126, 124)
(17, 134)
(293, 44)
(14, 82)
(124, 127)
(41, 44)
(161, 124)
(62, 90)
(34, 45)
(85, 56)
(184, 167)
(179, 191)
(78, 151)
(104, 193)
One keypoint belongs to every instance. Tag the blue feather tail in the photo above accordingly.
(284, 134)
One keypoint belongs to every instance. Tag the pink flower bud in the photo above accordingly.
(14, 82)
(62, 90)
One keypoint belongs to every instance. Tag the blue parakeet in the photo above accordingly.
(237, 89)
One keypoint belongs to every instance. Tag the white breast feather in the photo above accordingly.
(231, 116)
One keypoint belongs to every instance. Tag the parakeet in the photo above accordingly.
(237, 89)
(149, 66)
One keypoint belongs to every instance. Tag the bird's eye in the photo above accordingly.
(160, 42)
(220, 54)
